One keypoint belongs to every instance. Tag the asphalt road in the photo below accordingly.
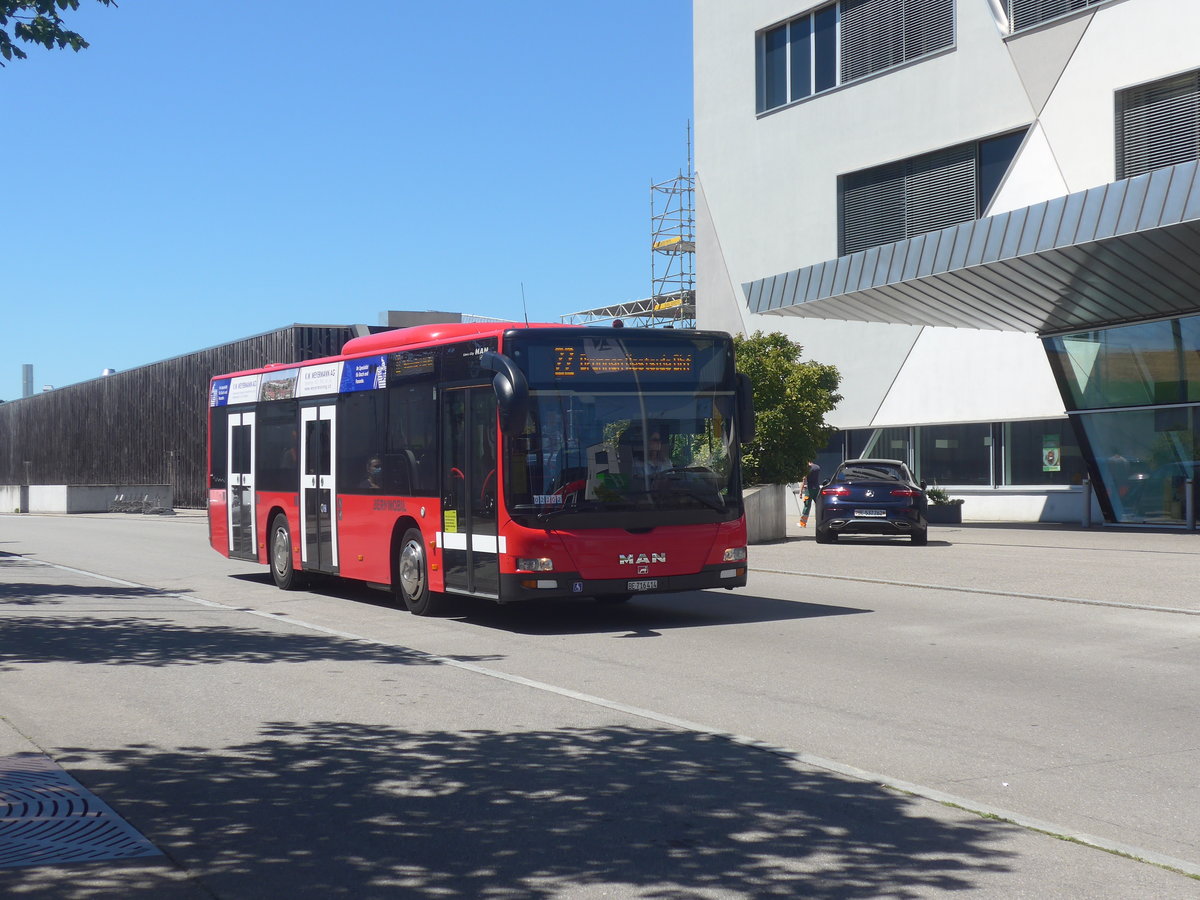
(867, 719)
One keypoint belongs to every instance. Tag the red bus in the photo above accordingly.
(505, 461)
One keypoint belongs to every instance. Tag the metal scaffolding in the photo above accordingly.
(672, 301)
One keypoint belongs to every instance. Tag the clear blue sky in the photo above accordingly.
(211, 169)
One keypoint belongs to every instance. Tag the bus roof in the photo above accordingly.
(400, 338)
(419, 336)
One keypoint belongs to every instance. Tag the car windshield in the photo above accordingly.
(596, 453)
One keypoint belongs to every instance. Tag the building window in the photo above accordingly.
(1027, 13)
(1146, 460)
(955, 454)
(1041, 452)
(900, 200)
(1133, 365)
(1158, 124)
(1036, 453)
(845, 41)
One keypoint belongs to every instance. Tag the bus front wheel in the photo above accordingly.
(412, 575)
(283, 568)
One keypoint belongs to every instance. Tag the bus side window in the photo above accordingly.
(276, 446)
(361, 429)
(412, 434)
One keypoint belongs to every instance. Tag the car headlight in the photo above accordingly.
(735, 554)
(528, 564)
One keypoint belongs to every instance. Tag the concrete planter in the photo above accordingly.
(944, 514)
(766, 513)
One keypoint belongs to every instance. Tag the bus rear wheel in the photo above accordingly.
(412, 576)
(283, 568)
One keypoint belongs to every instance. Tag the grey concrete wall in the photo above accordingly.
(14, 498)
(766, 513)
(87, 498)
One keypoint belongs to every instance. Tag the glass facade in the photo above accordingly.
(1132, 394)
(1134, 365)
(1133, 390)
(1032, 454)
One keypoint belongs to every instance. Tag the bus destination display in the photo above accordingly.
(604, 358)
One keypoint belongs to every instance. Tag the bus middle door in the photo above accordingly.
(240, 507)
(470, 545)
(318, 506)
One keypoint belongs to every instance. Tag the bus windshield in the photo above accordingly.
(600, 453)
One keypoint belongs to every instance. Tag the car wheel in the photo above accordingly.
(412, 576)
(283, 569)
(921, 537)
(825, 535)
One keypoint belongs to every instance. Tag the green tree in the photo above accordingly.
(791, 399)
(38, 22)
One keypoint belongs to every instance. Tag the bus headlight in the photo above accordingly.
(735, 554)
(535, 565)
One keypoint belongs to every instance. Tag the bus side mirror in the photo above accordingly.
(745, 408)
(512, 391)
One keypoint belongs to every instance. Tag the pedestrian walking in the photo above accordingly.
(808, 489)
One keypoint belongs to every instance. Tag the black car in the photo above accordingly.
(871, 496)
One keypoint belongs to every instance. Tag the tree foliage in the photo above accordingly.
(791, 399)
(38, 22)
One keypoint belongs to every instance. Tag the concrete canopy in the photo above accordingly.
(1123, 252)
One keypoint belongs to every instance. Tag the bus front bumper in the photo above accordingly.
(552, 585)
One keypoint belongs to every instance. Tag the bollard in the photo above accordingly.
(1189, 503)
(1086, 519)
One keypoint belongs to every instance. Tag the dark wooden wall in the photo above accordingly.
(141, 426)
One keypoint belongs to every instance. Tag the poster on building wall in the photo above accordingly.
(1051, 453)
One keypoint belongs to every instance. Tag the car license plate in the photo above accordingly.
(641, 585)
(871, 513)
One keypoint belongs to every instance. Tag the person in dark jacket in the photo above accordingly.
(809, 487)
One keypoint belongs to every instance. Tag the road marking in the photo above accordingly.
(1080, 601)
(917, 790)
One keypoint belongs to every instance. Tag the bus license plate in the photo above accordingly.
(641, 585)
(871, 513)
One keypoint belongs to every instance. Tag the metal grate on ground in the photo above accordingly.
(47, 817)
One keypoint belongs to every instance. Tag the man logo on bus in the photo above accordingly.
(630, 559)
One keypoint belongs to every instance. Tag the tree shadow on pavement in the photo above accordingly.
(39, 593)
(156, 642)
(335, 809)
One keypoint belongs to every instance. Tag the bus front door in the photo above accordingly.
(470, 544)
(240, 509)
(318, 506)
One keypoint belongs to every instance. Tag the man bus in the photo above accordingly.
(500, 461)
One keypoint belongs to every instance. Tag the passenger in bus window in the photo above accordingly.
(287, 460)
(374, 479)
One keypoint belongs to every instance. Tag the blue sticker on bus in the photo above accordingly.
(367, 374)
(218, 395)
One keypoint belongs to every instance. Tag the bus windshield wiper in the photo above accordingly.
(706, 500)
(554, 513)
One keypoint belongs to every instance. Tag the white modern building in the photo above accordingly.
(986, 214)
